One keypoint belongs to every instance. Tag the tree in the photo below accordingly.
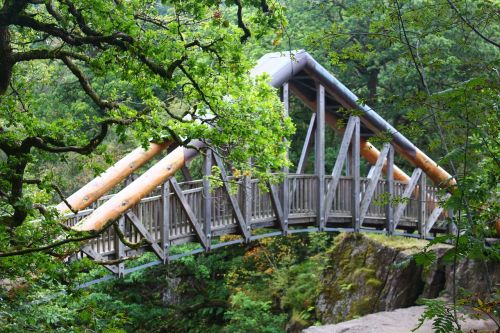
(73, 71)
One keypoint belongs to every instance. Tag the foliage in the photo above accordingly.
(441, 314)
(252, 316)
(235, 289)
(75, 76)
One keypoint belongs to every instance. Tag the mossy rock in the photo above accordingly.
(362, 277)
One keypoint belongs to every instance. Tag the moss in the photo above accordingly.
(362, 307)
(398, 242)
(365, 271)
(373, 282)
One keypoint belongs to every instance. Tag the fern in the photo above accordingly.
(441, 315)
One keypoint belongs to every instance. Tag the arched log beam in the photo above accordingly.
(100, 185)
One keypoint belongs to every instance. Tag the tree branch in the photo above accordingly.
(84, 82)
(55, 187)
(469, 24)
(47, 247)
(241, 24)
(40, 54)
(44, 144)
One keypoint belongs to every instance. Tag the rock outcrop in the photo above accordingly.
(368, 274)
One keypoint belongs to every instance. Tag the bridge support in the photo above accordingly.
(165, 218)
(120, 247)
(356, 184)
(285, 191)
(207, 196)
(422, 203)
(389, 208)
(319, 156)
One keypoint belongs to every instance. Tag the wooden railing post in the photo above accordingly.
(285, 192)
(120, 247)
(320, 156)
(356, 181)
(165, 218)
(389, 208)
(422, 230)
(207, 197)
(452, 227)
(247, 200)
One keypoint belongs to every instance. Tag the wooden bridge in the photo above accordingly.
(383, 201)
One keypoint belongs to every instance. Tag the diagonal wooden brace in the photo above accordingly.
(234, 203)
(406, 195)
(273, 192)
(339, 163)
(87, 249)
(374, 176)
(189, 212)
(136, 222)
(435, 215)
(307, 145)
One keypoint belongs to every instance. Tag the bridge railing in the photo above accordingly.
(302, 211)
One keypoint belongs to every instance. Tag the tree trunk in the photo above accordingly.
(6, 62)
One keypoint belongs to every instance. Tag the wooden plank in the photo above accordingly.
(189, 212)
(356, 178)
(234, 203)
(389, 208)
(422, 199)
(165, 218)
(119, 247)
(275, 201)
(374, 176)
(319, 157)
(207, 197)
(145, 233)
(339, 163)
(410, 187)
(307, 144)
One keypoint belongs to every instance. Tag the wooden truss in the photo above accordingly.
(300, 200)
